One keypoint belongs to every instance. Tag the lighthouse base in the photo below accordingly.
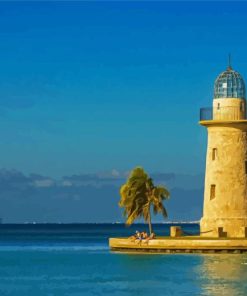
(220, 227)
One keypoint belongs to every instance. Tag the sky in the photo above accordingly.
(101, 87)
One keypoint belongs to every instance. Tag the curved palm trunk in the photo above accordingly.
(149, 223)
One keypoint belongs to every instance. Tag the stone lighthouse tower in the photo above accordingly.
(225, 193)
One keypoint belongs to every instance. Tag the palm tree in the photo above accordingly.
(139, 194)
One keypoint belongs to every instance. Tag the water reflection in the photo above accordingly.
(179, 274)
(223, 274)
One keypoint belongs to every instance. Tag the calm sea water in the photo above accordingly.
(75, 260)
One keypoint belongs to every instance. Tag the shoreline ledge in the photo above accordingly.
(189, 244)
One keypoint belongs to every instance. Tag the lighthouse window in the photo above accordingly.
(214, 151)
(212, 191)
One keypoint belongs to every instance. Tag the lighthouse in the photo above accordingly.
(223, 226)
(225, 191)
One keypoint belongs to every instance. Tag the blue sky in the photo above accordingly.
(88, 87)
(89, 90)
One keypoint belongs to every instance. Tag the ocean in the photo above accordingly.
(74, 259)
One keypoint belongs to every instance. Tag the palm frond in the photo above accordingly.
(139, 194)
(164, 212)
(163, 192)
(146, 210)
(132, 217)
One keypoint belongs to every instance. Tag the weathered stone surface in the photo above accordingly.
(175, 231)
(183, 244)
(225, 192)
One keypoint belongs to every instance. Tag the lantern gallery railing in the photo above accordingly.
(222, 113)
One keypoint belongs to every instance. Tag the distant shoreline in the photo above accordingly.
(99, 223)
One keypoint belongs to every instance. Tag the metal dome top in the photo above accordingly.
(229, 84)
